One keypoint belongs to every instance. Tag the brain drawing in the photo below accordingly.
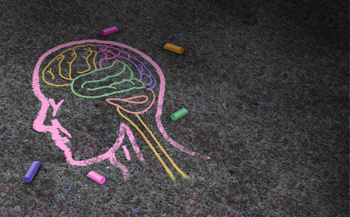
(109, 71)
(90, 71)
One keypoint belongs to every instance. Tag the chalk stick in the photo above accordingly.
(97, 177)
(174, 48)
(109, 31)
(32, 171)
(179, 114)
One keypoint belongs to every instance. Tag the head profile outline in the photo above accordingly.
(108, 92)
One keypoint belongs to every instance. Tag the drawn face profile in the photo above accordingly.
(95, 70)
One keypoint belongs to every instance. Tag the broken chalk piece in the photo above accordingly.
(32, 171)
(109, 31)
(179, 114)
(97, 177)
(174, 48)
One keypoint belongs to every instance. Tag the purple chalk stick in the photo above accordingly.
(97, 177)
(32, 171)
(109, 31)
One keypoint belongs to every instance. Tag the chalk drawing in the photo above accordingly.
(96, 81)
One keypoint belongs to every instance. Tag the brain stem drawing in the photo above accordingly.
(111, 72)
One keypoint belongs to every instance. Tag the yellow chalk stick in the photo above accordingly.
(174, 48)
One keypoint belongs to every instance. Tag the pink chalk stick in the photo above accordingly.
(109, 31)
(97, 177)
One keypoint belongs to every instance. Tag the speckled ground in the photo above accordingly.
(266, 84)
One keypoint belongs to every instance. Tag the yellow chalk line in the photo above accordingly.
(61, 57)
(166, 154)
(155, 152)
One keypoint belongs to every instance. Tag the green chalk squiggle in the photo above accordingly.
(110, 86)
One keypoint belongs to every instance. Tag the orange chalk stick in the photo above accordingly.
(174, 48)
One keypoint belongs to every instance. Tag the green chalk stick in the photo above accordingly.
(179, 114)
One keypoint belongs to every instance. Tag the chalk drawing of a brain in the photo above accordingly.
(94, 69)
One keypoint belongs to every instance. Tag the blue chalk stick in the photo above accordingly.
(32, 171)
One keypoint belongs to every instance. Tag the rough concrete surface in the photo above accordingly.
(266, 84)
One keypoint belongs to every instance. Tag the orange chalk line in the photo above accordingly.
(155, 152)
(109, 100)
(61, 57)
(166, 154)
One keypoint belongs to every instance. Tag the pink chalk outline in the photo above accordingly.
(56, 127)
(126, 151)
